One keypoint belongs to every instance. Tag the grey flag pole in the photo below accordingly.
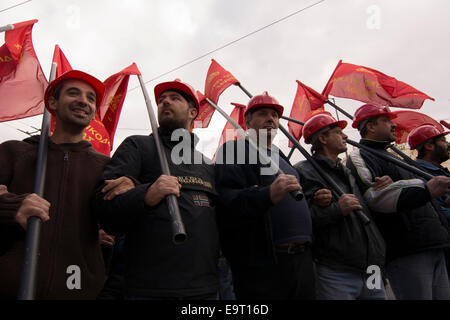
(178, 230)
(391, 146)
(364, 219)
(6, 28)
(28, 274)
(297, 195)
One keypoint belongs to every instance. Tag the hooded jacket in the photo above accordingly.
(69, 244)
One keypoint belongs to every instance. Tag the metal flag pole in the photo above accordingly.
(391, 146)
(364, 219)
(7, 28)
(297, 195)
(28, 274)
(386, 157)
(178, 230)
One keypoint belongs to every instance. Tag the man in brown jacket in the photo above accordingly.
(70, 262)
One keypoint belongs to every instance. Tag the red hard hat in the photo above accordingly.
(264, 100)
(177, 84)
(422, 134)
(370, 110)
(96, 84)
(318, 122)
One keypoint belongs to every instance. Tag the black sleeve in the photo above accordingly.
(115, 216)
(321, 216)
(238, 189)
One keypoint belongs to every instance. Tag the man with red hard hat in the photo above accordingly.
(265, 234)
(155, 267)
(343, 246)
(433, 150)
(70, 261)
(413, 226)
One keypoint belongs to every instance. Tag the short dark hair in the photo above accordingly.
(58, 89)
(362, 126)
(316, 146)
(187, 97)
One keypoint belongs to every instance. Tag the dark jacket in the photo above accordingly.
(436, 171)
(409, 220)
(70, 237)
(340, 242)
(155, 266)
(245, 225)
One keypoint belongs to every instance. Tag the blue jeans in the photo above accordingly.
(345, 285)
(420, 276)
(226, 291)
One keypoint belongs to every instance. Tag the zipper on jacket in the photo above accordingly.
(52, 267)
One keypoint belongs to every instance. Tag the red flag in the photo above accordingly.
(61, 61)
(62, 66)
(205, 113)
(407, 120)
(229, 132)
(307, 102)
(22, 82)
(371, 86)
(114, 97)
(217, 80)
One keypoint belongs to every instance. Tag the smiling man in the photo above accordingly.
(156, 268)
(413, 226)
(70, 262)
(265, 234)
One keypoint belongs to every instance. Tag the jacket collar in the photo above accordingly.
(374, 143)
(79, 146)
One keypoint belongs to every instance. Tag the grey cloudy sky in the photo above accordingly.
(404, 39)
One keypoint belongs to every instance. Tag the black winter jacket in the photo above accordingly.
(340, 242)
(245, 225)
(155, 266)
(409, 220)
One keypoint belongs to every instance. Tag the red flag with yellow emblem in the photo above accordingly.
(217, 80)
(307, 103)
(22, 82)
(371, 86)
(114, 97)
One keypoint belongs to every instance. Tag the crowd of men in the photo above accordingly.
(247, 236)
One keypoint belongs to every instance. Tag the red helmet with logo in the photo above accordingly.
(370, 110)
(177, 84)
(422, 134)
(264, 100)
(96, 84)
(319, 122)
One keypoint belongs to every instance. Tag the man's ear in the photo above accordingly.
(429, 146)
(193, 112)
(322, 139)
(52, 103)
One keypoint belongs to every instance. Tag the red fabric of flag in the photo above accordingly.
(217, 80)
(115, 92)
(61, 61)
(205, 113)
(307, 102)
(22, 82)
(229, 132)
(371, 86)
(408, 120)
(62, 66)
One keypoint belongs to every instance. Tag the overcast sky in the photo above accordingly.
(404, 39)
